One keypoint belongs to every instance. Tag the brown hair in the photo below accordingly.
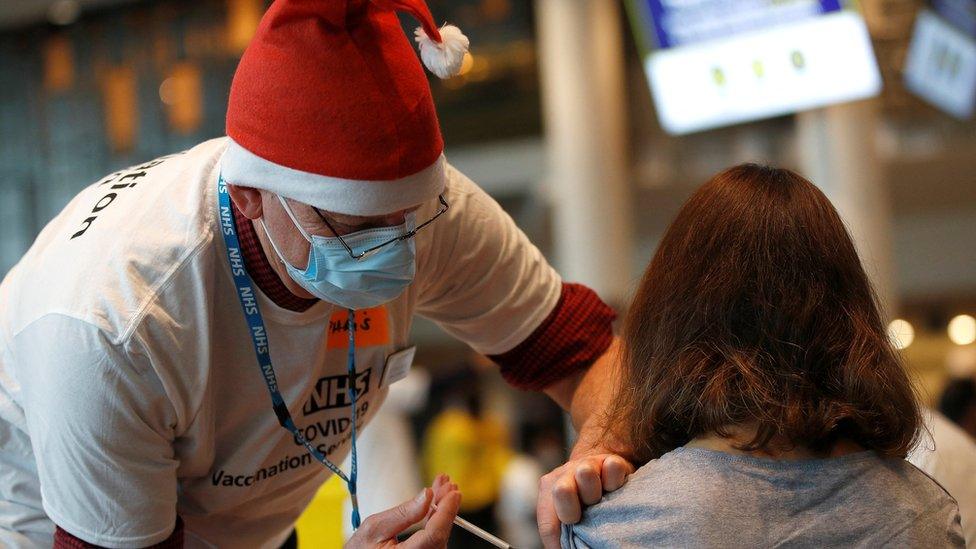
(755, 309)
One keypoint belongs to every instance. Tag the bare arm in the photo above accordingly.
(593, 469)
(586, 394)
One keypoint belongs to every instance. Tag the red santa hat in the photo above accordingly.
(330, 106)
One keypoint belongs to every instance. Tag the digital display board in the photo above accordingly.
(941, 62)
(713, 63)
(961, 13)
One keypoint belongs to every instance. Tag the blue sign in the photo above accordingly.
(958, 13)
(682, 22)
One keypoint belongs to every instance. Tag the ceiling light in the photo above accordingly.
(962, 330)
(901, 333)
(63, 12)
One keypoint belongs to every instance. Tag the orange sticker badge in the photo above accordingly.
(372, 328)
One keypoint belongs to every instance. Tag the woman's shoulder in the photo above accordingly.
(644, 510)
(909, 484)
(692, 497)
(915, 499)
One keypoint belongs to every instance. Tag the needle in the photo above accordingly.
(497, 542)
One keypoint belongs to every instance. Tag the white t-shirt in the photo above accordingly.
(948, 454)
(128, 375)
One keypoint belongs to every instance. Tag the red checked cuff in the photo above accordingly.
(64, 540)
(576, 333)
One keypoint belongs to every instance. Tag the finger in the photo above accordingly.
(387, 524)
(438, 528)
(446, 489)
(439, 481)
(443, 490)
(545, 513)
(588, 483)
(447, 509)
(615, 472)
(439, 495)
(440, 487)
(565, 497)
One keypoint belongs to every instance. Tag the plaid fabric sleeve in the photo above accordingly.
(64, 540)
(576, 333)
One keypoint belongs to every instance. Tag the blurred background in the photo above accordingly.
(590, 121)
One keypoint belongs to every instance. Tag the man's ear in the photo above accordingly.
(247, 200)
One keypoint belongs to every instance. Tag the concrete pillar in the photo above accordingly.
(582, 68)
(836, 150)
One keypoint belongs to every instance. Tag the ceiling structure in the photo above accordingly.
(928, 159)
(20, 13)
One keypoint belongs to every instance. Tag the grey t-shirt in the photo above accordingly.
(701, 498)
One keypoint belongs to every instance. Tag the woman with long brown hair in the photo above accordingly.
(759, 388)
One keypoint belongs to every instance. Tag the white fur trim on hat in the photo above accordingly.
(239, 166)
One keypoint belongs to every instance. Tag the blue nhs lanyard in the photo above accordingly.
(255, 324)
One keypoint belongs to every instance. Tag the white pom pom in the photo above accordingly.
(444, 58)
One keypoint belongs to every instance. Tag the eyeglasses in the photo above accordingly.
(372, 251)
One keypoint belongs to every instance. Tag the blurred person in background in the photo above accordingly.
(958, 403)
(948, 454)
(471, 446)
(760, 389)
(147, 328)
(542, 449)
(947, 448)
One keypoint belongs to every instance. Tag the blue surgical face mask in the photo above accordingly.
(334, 276)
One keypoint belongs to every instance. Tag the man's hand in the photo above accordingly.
(381, 530)
(568, 488)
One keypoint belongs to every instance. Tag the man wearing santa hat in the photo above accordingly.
(190, 347)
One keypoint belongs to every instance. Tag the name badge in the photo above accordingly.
(398, 366)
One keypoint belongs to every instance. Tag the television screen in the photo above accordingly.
(941, 62)
(713, 63)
